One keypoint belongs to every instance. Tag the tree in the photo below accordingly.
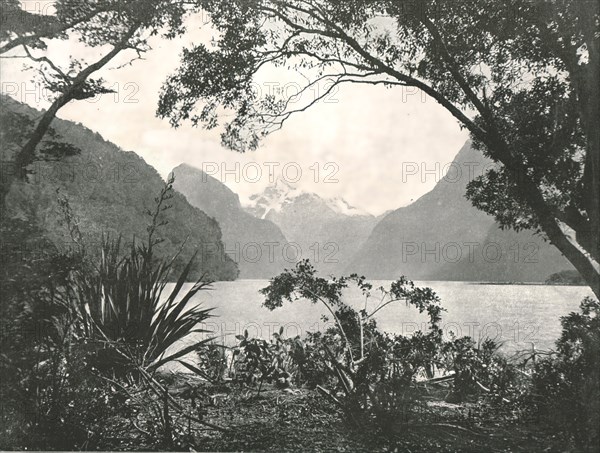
(521, 75)
(120, 25)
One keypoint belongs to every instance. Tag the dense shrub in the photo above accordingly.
(367, 372)
(254, 361)
(123, 310)
(212, 361)
(36, 338)
(566, 385)
(478, 367)
(380, 376)
(86, 335)
(121, 307)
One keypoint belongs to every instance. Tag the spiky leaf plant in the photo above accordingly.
(121, 305)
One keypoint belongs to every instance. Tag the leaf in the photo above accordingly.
(196, 370)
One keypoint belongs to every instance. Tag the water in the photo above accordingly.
(515, 315)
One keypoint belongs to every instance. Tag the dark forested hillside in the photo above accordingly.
(257, 245)
(110, 192)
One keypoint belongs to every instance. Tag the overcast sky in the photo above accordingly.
(361, 139)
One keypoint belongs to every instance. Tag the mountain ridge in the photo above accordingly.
(441, 236)
(328, 231)
(109, 191)
(256, 245)
(280, 193)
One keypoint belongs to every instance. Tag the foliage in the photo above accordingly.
(386, 377)
(48, 398)
(481, 367)
(522, 76)
(120, 301)
(123, 303)
(374, 372)
(566, 386)
(306, 354)
(212, 361)
(89, 335)
(257, 360)
(110, 192)
(35, 328)
(66, 409)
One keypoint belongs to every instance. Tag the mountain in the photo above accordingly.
(327, 231)
(506, 256)
(109, 191)
(280, 195)
(568, 277)
(441, 236)
(257, 245)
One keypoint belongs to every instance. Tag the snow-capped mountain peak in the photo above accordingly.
(281, 194)
(341, 206)
(273, 198)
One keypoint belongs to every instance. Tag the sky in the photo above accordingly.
(377, 148)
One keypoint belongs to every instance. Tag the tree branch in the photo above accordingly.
(51, 31)
(26, 155)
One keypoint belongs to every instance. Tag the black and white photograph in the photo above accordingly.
(300, 225)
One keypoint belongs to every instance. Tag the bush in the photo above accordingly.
(477, 367)
(367, 372)
(121, 307)
(256, 361)
(566, 386)
(88, 329)
(122, 310)
(212, 361)
(37, 339)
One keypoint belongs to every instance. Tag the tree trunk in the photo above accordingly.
(26, 155)
(588, 99)
(582, 261)
(584, 264)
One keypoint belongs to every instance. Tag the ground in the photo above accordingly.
(303, 420)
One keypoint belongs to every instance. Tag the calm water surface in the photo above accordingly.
(516, 315)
